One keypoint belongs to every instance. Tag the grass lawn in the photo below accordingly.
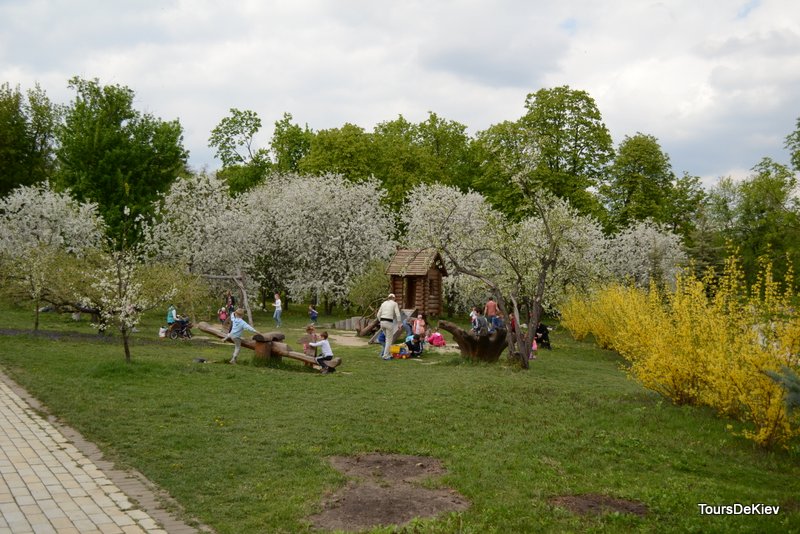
(244, 448)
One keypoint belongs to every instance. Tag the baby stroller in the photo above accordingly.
(181, 328)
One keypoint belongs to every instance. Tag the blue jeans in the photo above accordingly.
(277, 317)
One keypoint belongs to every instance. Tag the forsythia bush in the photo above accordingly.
(707, 342)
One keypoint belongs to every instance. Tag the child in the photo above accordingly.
(278, 309)
(534, 350)
(312, 314)
(436, 339)
(480, 324)
(311, 336)
(473, 315)
(381, 339)
(327, 353)
(238, 325)
(414, 347)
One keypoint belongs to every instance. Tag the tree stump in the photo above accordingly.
(485, 348)
(263, 348)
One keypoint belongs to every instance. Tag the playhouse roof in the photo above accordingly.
(415, 262)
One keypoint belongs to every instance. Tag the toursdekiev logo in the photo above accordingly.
(738, 509)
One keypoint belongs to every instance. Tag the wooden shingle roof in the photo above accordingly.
(410, 262)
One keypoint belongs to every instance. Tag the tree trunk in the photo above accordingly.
(369, 328)
(126, 344)
(485, 348)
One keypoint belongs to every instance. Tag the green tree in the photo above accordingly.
(434, 151)
(568, 146)
(686, 205)
(117, 157)
(501, 153)
(640, 182)
(449, 153)
(398, 158)
(290, 144)
(768, 218)
(759, 217)
(346, 151)
(27, 137)
(234, 138)
(243, 165)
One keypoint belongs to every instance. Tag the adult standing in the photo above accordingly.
(389, 318)
(278, 308)
(490, 312)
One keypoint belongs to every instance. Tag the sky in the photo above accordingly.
(717, 82)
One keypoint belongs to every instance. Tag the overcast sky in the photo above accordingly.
(717, 82)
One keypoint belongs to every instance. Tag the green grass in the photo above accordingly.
(243, 448)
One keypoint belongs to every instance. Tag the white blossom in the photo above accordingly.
(644, 252)
(444, 218)
(37, 227)
(200, 228)
(36, 216)
(116, 290)
(315, 234)
(512, 255)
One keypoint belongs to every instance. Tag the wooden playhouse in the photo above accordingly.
(416, 280)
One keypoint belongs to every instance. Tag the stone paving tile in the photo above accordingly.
(48, 485)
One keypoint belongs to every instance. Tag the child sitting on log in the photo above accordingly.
(327, 353)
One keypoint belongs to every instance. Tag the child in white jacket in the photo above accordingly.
(327, 353)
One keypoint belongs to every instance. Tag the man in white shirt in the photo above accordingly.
(389, 319)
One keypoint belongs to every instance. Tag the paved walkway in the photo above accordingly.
(53, 481)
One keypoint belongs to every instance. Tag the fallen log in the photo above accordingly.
(269, 346)
(370, 328)
(485, 347)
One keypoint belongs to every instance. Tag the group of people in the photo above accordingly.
(488, 319)
(416, 330)
(225, 313)
(390, 319)
(238, 325)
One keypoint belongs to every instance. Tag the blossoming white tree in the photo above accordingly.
(528, 263)
(643, 253)
(202, 230)
(119, 290)
(444, 218)
(199, 226)
(37, 227)
(317, 233)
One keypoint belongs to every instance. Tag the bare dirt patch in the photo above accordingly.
(348, 339)
(385, 489)
(594, 504)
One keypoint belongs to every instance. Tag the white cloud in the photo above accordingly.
(717, 82)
